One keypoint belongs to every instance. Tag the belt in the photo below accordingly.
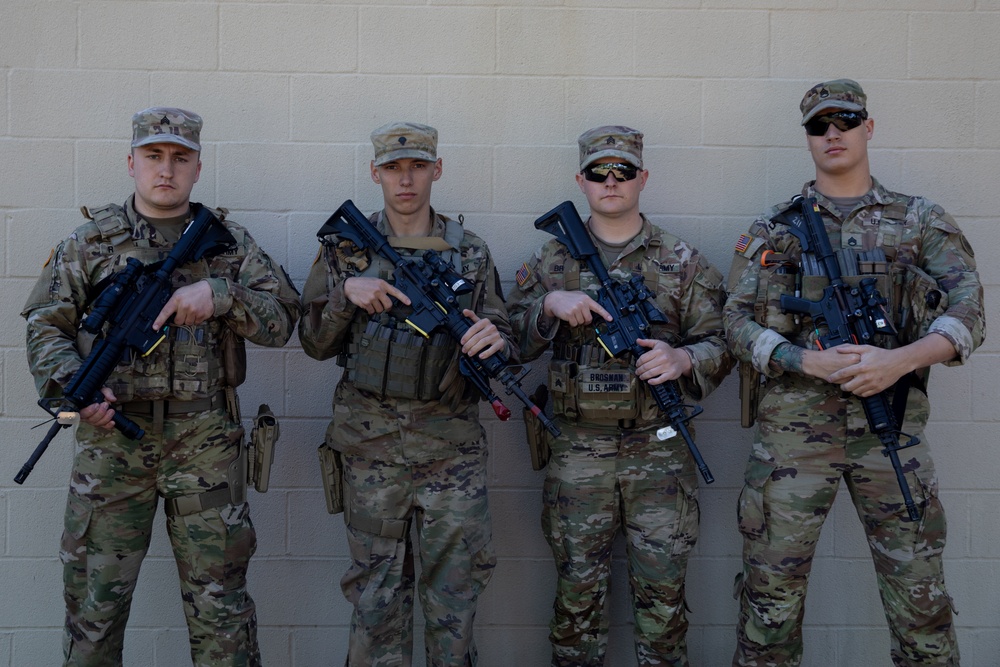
(149, 408)
(156, 410)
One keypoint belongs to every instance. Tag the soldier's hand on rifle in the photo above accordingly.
(662, 362)
(575, 307)
(372, 294)
(823, 364)
(876, 370)
(100, 414)
(191, 304)
(482, 338)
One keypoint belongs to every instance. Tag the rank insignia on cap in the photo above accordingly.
(743, 243)
(522, 275)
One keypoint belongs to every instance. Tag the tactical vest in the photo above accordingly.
(914, 298)
(588, 385)
(192, 362)
(384, 355)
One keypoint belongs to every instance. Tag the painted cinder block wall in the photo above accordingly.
(290, 92)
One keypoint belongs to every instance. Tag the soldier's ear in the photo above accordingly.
(375, 176)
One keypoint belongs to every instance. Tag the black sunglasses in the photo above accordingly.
(598, 173)
(842, 120)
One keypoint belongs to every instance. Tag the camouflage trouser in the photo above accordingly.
(112, 500)
(809, 439)
(599, 480)
(445, 503)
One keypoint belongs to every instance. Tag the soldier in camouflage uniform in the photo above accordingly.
(181, 394)
(812, 432)
(609, 469)
(405, 424)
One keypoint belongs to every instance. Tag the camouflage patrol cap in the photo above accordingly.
(839, 94)
(611, 141)
(158, 125)
(398, 140)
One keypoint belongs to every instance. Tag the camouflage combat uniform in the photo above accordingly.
(408, 464)
(116, 482)
(811, 435)
(608, 469)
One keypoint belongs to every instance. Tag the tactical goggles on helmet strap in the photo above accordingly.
(842, 120)
(598, 173)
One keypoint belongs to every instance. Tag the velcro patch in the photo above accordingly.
(522, 275)
(605, 382)
(748, 245)
(743, 243)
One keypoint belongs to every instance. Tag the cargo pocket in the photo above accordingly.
(930, 533)
(688, 516)
(77, 519)
(751, 513)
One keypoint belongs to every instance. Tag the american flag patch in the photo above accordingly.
(743, 243)
(522, 275)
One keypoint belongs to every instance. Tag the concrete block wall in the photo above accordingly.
(290, 92)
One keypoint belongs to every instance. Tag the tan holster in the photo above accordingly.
(333, 478)
(263, 438)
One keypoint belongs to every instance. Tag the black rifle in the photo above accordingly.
(129, 302)
(433, 287)
(633, 308)
(851, 315)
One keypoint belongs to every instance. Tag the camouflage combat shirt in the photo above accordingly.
(394, 430)
(923, 236)
(689, 291)
(252, 295)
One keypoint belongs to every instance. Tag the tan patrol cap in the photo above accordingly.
(159, 125)
(611, 141)
(398, 140)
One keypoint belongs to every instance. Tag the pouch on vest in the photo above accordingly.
(562, 383)
(922, 302)
(263, 438)
(393, 362)
(333, 478)
(812, 290)
(775, 282)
